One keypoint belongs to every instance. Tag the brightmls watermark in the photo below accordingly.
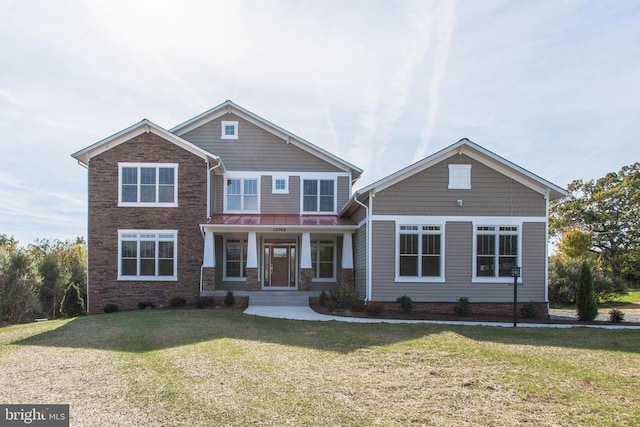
(34, 415)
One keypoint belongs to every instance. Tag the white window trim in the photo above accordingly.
(157, 166)
(454, 171)
(224, 124)
(156, 239)
(241, 177)
(318, 179)
(275, 190)
(420, 279)
(243, 241)
(333, 278)
(497, 232)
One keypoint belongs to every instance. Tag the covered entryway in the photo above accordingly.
(279, 265)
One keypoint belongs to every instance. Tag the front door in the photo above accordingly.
(279, 265)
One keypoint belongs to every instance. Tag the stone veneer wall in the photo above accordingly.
(105, 218)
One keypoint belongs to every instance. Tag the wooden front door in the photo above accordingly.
(279, 265)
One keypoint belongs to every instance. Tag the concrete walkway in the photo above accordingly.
(306, 313)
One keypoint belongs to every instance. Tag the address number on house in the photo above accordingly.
(279, 230)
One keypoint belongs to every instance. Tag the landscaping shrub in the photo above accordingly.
(405, 304)
(111, 308)
(529, 310)
(374, 309)
(322, 300)
(344, 295)
(72, 304)
(463, 307)
(177, 302)
(358, 306)
(586, 300)
(203, 302)
(331, 305)
(146, 304)
(616, 316)
(229, 299)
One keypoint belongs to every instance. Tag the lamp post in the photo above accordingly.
(515, 273)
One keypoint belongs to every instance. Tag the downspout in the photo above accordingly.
(88, 201)
(546, 248)
(367, 296)
(208, 214)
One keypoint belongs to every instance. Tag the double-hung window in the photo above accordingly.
(148, 184)
(496, 251)
(241, 195)
(235, 259)
(147, 254)
(420, 252)
(323, 261)
(319, 195)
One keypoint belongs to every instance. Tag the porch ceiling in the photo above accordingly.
(280, 220)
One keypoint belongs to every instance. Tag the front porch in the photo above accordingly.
(272, 253)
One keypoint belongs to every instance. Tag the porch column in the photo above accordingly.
(209, 262)
(306, 272)
(346, 273)
(252, 262)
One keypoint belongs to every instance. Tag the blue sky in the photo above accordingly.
(551, 85)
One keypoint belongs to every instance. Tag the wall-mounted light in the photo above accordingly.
(459, 202)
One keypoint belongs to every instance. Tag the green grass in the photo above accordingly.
(633, 297)
(220, 367)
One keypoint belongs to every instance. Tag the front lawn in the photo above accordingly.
(220, 367)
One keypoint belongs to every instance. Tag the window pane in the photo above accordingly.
(129, 267)
(485, 266)
(250, 186)
(486, 245)
(280, 184)
(165, 267)
(431, 244)
(166, 176)
(233, 269)
(431, 266)
(326, 187)
(166, 193)
(326, 270)
(408, 265)
(148, 267)
(129, 175)
(233, 186)
(310, 204)
(130, 193)
(229, 130)
(165, 250)
(326, 203)
(506, 262)
(508, 245)
(147, 175)
(148, 193)
(129, 249)
(233, 203)
(409, 244)
(326, 253)
(233, 252)
(310, 187)
(250, 203)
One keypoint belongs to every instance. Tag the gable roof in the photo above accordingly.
(144, 126)
(474, 151)
(229, 107)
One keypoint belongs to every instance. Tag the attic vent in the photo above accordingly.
(229, 130)
(459, 177)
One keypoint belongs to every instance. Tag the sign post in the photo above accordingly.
(515, 273)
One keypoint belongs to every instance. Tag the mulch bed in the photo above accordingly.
(421, 315)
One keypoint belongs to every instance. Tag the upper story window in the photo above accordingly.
(147, 254)
(148, 184)
(420, 250)
(241, 195)
(229, 130)
(459, 177)
(280, 185)
(319, 195)
(496, 251)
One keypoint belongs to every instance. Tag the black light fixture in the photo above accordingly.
(515, 273)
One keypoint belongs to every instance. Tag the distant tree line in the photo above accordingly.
(599, 223)
(33, 279)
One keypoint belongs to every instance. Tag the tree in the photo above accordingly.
(72, 305)
(608, 211)
(586, 299)
(19, 284)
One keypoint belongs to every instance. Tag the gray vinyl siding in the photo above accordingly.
(255, 149)
(458, 268)
(427, 193)
(360, 261)
(280, 203)
(358, 215)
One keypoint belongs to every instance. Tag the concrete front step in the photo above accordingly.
(280, 298)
